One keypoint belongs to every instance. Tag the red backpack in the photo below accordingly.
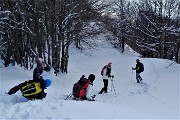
(82, 92)
(79, 88)
(103, 70)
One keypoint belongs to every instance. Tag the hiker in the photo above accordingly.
(39, 69)
(83, 89)
(106, 74)
(139, 68)
(32, 89)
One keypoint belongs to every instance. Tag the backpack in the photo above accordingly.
(141, 67)
(30, 89)
(103, 70)
(78, 86)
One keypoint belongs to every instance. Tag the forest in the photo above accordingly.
(46, 29)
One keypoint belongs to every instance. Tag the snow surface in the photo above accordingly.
(157, 97)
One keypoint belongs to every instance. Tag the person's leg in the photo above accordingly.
(137, 77)
(103, 89)
(105, 85)
(140, 78)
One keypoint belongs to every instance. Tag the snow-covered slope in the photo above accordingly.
(157, 97)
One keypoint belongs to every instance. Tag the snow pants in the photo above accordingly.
(105, 88)
(138, 77)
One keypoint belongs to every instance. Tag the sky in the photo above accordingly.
(156, 97)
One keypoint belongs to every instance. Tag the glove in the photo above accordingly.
(109, 76)
(47, 69)
(92, 98)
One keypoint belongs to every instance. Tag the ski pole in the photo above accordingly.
(111, 82)
(70, 95)
(112, 86)
(131, 75)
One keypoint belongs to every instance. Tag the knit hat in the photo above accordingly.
(137, 60)
(91, 77)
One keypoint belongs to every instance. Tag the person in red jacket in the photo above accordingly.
(86, 93)
(83, 89)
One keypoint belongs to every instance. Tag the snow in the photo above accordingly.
(157, 97)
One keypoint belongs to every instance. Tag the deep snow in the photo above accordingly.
(157, 97)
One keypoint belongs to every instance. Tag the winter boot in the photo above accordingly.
(140, 78)
(101, 91)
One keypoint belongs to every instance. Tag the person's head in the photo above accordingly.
(48, 82)
(91, 78)
(109, 65)
(137, 60)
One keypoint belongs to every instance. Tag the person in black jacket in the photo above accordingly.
(32, 89)
(138, 69)
(39, 68)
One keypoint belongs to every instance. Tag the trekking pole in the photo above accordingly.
(112, 85)
(131, 75)
(70, 95)
(171, 64)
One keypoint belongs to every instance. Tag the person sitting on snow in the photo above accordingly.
(32, 89)
(83, 89)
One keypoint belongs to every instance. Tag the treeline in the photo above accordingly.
(43, 28)
(150, 27)
(46, 28)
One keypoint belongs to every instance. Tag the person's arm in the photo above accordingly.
(104, 74)
(136, 68)
(42, 82)
(89, 93)
(13, 90)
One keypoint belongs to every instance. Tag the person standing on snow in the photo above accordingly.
(139, 68)
(106, 73)
(39, 68)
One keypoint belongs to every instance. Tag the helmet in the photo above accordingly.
(48, 82)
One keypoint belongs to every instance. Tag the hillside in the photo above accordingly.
(157, 97)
